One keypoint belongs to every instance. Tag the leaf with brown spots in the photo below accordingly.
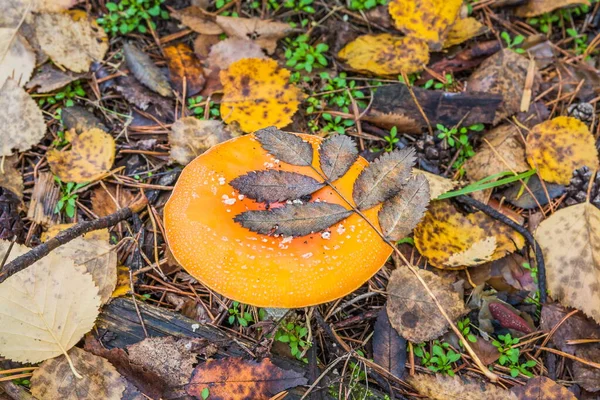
(273, 186)
(413, 313)
(337, 153)
(570, 242)
(442, 387)
(385, 54)
(235, 378)
(463, 30)
(429, 20)
(142, 67)
(184, 66)
(226, 52)
(263, 32)
(285, 146)
(189, 137)
(389, 348)
(92, 155)
(257, 94)
(542, 388)
(533, 8)
(54, 380)
(450, 239)
(559, 146)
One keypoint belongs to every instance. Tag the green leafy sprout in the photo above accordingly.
(440, 359)
(296, 336)
(360, 5)
(300, 6)
(68, 197)
(226, 13)
(465, 328)
(66, 95)
(512, 43)
(509, 356)
(127, 16)
(239, 312)
(448, 84)
(580, 41)
(303, 56)
(544, 22)
(459, 139)
(205, 393)
(197, 105)
(391, 139)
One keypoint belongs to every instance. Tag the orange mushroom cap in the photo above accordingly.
(261, 270)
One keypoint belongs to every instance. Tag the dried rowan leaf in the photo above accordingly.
(444, 232)
(11, 178)
(559, 146)
(412, 311)
(72, 39)
(438, 185)
(337, 153)
(197, 20)
(385, 54)
(49, 78)
(257, 93)
(503, 151)
(142, 67)
(285, 146)
(443, 387)
(228, 51)
(45, 309)
(541, 387)
(235, 378)
(185, 66)
(273, 186)
(21, 122)
(463, 30)
(400, 214)
(429, 20)
(293, 219)
(570, 242)
(263, 32)
(17, 59)
(54, 380)
(389, 348)
(92, 154)
(383, 178)
(533, 8)
(189, 137)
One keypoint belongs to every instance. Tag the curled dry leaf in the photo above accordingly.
(142, 67)
(541, 387)
(21, 122)
(383, 178)
(429, 20)
(57, 304)
(203, 44)
(293, 219)
(463, 30)
(413, 313)
(197, 20)
(54, 380)
(337, 153)
(92, 154)
(570, 242)
(107, 200)
(400, 214)
(72, 39)
(559, 146)
(184, 66)
(226, 52)
(189, 137)
(442, 387)
(285, 146)
(257, 93)
(273, 186)
(17, 59)
(389, 348)
(385, 54)
(263, 32)
(438, 185)
(533, 8)
(49, 78)
(235, 378)
(445, 232)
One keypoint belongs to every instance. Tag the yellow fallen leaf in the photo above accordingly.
(91, 156)
(438, 185)
(429, 20)
(480, 251)
(257, 94)
(463, 30)
(385, 54)
(123, 282)
(559, 146)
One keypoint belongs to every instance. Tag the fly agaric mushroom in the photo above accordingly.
(263, 270)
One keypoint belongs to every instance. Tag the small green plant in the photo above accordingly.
(303, 56)
(296, 336)
(270, 4)
(391, 139)
(544, 22)
(338, 91)
(25, 382)
(205, 393)
(512, 43)
(68, 197)
(448, 84)
(440, 359)
(237, 312)
(465, 328)
(459, 139)
(198, 105)
(227, 13)
(509, 356)
(60, 140)
(127, 16)
(66, 95)
(412, 78)
(336, 124)
(360, 5)
(580, 41)
(300, 5)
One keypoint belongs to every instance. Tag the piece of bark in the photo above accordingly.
(43, 200)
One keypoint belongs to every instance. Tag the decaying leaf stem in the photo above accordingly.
(491, 376)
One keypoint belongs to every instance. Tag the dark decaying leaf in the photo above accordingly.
(80, 119)
(184, 66)
(284, 146)
(383, 178)
(389, 348)
(293, 219)
(273, 185)
(235, 378)
(145, 71)
(400, 214)
(541, 387)
(337, 154)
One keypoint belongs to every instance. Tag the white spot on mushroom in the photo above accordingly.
(352, 228)
(326, 235)
(195, 327)
(221, 181)
(340, 229)
(307, 255)
(241, 197)
(244, 267)
(287, 239)
(228, 200)
(224, 238)
(297, 202)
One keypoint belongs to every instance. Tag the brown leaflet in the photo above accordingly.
(541, 387)
(293, 219)
(383, 178)
(184, 66)
(400, 215)
(274, 186)
(442, 387)
(142, 67)
(389, 348)
(284, 146)
(337, 154)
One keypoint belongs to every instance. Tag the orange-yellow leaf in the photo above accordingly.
(463, 30)
(183, 63)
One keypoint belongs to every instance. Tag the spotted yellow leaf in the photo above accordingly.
(463, 30)
(257, 94)
(429, 20)
(385, 54)
(559, 146)
(91, 156)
